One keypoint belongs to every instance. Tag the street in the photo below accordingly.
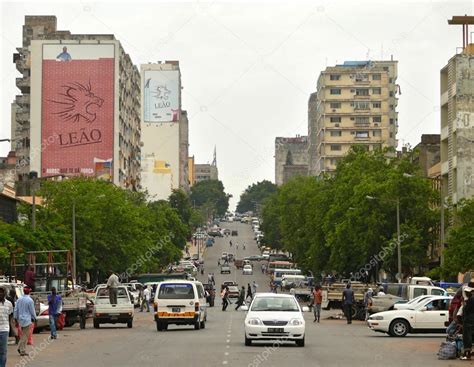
(330, 343)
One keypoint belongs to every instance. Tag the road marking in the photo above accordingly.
(226, 353)
(224, 362)
(227, 346)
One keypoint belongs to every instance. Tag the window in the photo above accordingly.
(362, 92)
(419, 292)
(385, 68)
(377, 119)
(391, 94)
(376, 90)
(335, 91)
(335, 104)
(362, 120)
(392, 107)
(377, 104)
(335, 118)
(359, 77)
(362, 134)
(377, 133)
(336, 133)
(361, 105)
(335, 147)
(333, 161)
(335, 77)
(391, 134)
(376, 77)
(391, 121)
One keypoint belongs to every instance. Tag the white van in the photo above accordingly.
(180, 302)
(293, 280)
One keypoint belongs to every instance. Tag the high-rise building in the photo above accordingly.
(79, 108)
(457, 126)
(428, 152)
(291, 158)
(164, 130)
(355, 104)
(205, 172)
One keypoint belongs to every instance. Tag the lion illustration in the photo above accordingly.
(78, 102)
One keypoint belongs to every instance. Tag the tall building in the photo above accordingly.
(355, 104)
(79, 108)
(291, 158)
(428, 152)
(205, 172)
(191, 177)
(457, 126)
(164, 130)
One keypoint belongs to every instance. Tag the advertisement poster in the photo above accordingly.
(77, 109)
(161, 91)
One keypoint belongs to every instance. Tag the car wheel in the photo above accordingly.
(399, 328)
(197, 325)
(248, 341)
(300, 342)
(203, 324)
(159, 326)
(130, 324)
(96, 324)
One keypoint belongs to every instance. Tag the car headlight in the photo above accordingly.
(295, 322)
(254, 321)
(376, 317)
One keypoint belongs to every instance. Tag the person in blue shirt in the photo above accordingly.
(24, 315)
(64, 56)
(55, 306)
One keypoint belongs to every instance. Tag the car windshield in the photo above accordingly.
(176, 291)
(274, 304)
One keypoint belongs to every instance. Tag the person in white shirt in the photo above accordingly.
(146, 299)
(6, 309)
(381, 292)
(112, 284)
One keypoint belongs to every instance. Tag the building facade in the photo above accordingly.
(78, 113)
(457, 127)
(291, 158)
(428, 152)
(205, 172)
(355, 104)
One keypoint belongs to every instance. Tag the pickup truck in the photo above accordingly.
(106, 313)
(225, 268)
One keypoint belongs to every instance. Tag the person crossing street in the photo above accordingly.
(241, 299)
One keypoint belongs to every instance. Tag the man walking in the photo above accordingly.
(24, 315)
(317, 300)
(6, 309)
(254, 287)
(146, 299)
(249, 292)
(55, 306)
(224, 296)
(367, 296)
(13, 330)
(241, 299)
(112, 284)
(347, 301)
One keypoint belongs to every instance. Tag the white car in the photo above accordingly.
(247, 270)
(265, 255)
(429, 316)
(273, 316)
(412, 303)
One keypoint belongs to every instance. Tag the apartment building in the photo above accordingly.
(355, 104)
(291, 158)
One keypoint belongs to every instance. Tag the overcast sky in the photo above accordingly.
(248, 68)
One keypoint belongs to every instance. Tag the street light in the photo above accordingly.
(399, 249)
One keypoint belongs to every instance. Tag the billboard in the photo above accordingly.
(77, 109)
(161, 92)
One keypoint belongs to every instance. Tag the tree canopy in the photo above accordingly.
(209, 196)
(255, 195)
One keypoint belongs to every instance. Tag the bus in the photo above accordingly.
(272, 265)
(279, 273)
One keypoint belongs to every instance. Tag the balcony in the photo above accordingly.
(23, 100)
(23, 84)
(444, 168)
(444, 133)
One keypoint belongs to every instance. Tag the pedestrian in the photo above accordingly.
(24, 315)
(225, 299)
(230, 243)
(30, 278)
(209, 278)
(254, 287)
(212, 279)
(202, 269)
(55, 304)
(241, 299)
(454, 306)
(218, 262)
(249, 292)
(317, 300)
(236, 246)
(13, 330)
(112, 284)
(146, 299)
(244, 246)
(347, 301)
(6, 309)
(467, 323)
(367, 296)
(381, 292)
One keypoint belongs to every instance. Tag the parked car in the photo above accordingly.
(180, 302)
(253, 258)
(235, 233)
(224, 256)
(247, 270)
(106, 313)
(42, 319)
(429, 316)
(225, 269)
(274, 317)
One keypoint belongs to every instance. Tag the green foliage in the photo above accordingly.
(255, 194)
(459, 254)
(329, 224)
(209, 196)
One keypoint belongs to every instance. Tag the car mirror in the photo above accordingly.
(244, 308)
(305, 309)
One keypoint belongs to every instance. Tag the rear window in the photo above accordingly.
(176, 291)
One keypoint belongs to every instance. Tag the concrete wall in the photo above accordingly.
(295, 148)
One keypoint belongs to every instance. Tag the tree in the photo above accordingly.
(210, 197)
(459, 254)
(255, 195)
(180, 201)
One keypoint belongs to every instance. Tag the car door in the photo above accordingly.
(432, 315)
(202, 300)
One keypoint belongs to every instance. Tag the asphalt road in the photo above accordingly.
(221, 343)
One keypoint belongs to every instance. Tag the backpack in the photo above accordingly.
(447, 350)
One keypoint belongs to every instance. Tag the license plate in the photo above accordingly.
(113, 317)
(176, 309)
(275, 330)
